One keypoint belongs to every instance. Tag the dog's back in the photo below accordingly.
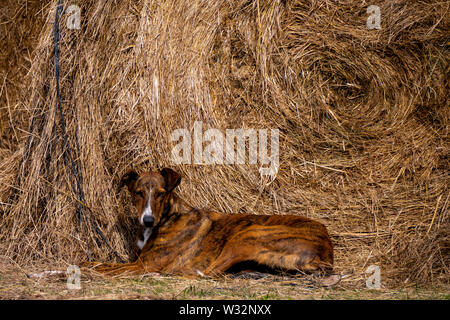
(206, 242)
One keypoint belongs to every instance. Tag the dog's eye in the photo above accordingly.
(140, 194)
(159, 194)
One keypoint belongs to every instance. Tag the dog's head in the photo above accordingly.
(150, 192)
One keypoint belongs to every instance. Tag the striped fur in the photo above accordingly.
(189, 241)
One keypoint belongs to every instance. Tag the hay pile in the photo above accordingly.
(363, 118)
(20, 25)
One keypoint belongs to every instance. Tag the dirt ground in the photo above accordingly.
(19, 283)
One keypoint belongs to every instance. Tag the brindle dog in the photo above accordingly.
(180, 239)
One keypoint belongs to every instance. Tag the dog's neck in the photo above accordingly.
(176, 205)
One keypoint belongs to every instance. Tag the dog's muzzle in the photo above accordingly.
(148, 221)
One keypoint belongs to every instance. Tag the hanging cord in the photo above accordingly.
(67, 152)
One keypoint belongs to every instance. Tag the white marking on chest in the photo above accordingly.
(147, 233)
(148, 209)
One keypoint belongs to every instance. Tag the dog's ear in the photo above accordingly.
(129, 180)
(171, 179)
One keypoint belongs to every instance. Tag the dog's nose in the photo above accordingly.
(148, 221)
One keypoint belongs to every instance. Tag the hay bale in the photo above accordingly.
(20, 25)
(363, 119)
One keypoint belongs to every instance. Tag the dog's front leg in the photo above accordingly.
(120, 269)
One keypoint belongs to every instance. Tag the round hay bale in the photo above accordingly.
(362, 117)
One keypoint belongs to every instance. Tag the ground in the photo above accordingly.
(15, 284)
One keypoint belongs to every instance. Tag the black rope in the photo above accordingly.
(67, 152)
